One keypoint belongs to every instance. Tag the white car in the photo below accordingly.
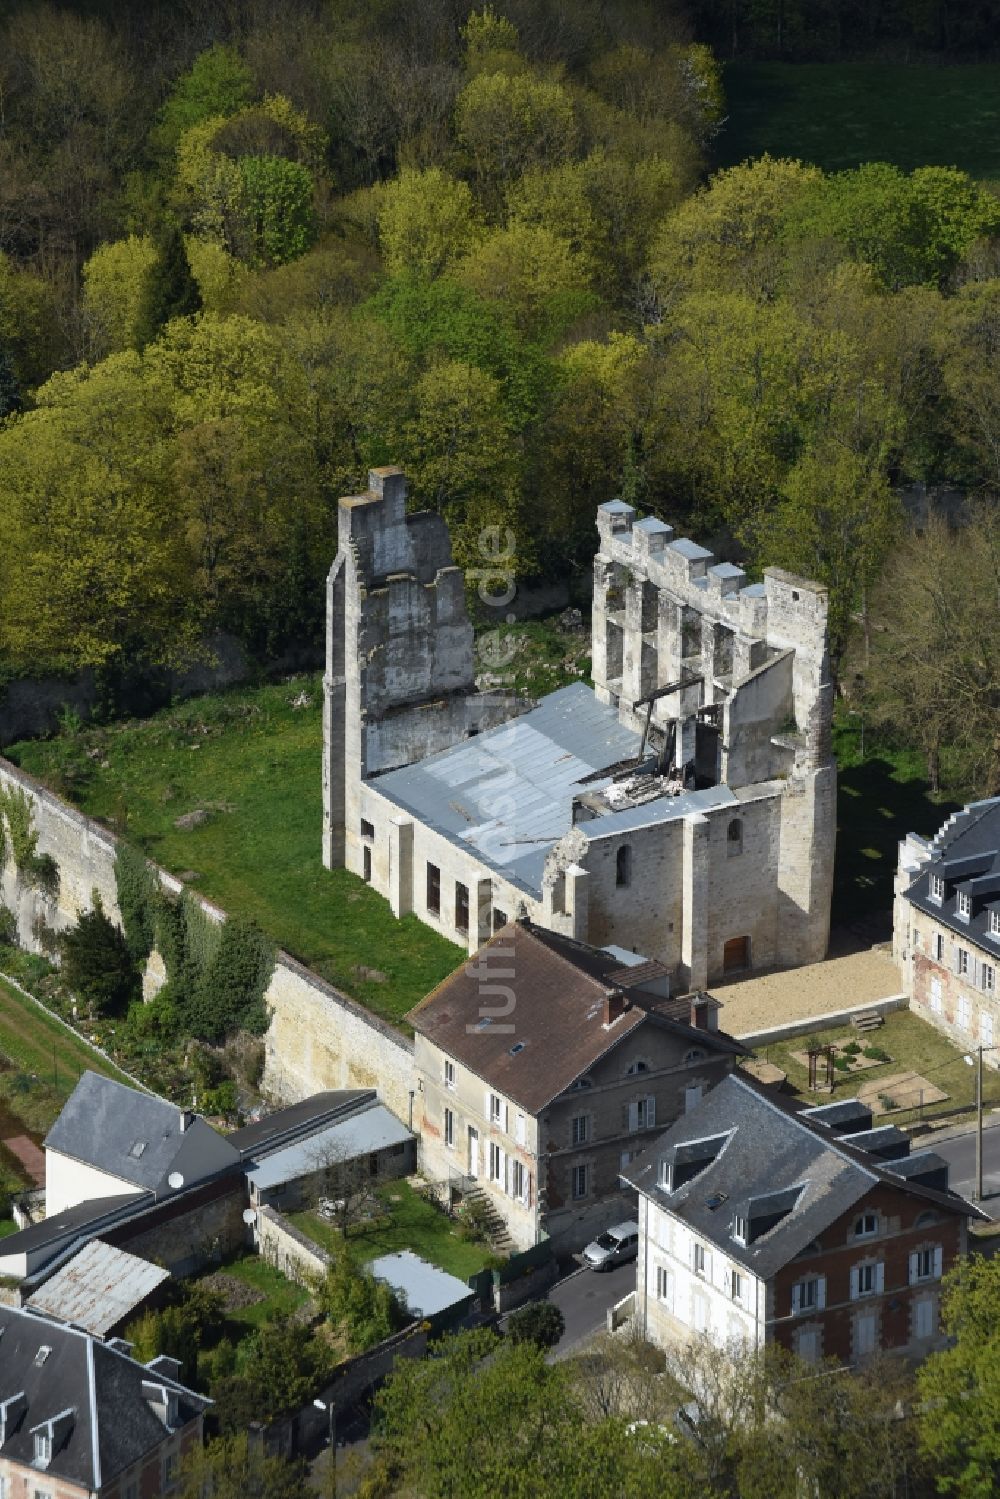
(613, 1247)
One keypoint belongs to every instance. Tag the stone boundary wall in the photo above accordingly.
(282, 1245)
(825, 1022)
(318, 1038)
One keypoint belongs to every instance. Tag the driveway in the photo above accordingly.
(584, 1299)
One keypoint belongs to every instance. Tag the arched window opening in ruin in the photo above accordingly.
(734, 837)
(623, 865)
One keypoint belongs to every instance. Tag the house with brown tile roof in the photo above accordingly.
(544, 1065)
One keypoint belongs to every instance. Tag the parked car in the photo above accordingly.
(613, 1247)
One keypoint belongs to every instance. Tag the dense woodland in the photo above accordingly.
(247, 251)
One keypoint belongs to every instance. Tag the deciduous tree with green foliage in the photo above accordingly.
(960, 1386)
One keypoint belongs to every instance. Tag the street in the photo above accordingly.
(960, 1153)
(584, 1298)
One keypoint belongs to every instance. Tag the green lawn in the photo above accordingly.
(46, 1061)
(282, 1296)
(914, 1046)
(415, 1224)
(7, 1226)
(254, 763)
(879, 800)
(841, 114)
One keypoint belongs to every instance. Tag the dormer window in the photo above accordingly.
(937, 888)
(740, 1229)
(43, 1448)
(995, 923)
(964, 905)
(665, 1177)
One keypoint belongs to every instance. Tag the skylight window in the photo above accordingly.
(42, 1355)
(518, 1046)
(138, 1148)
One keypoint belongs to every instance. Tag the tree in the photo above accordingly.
(936, 603)
(280, 1367)
(10, 390)
(170, 289)
(959, 1420)
(534, 274)
(540, 1323)
(277, 204)
(218, 82)
(97, 964)
(426, 221)
(115, 286)
(508, 123)
(228, 994)
(366, 1310)
(231, 1468)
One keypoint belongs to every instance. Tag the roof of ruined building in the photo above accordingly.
(773, 1160)
(137, 1137)
(965, 853)
(108, 1423)
(508, 793)
(555, 1031)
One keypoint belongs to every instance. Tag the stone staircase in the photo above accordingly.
(494, 1227)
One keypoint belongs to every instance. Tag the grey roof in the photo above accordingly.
(426, 1289)
(536, 764)
(532, 768)
(965, 853)
(616, 507)
(113, 1424)
(298, 1119)
(137, 1137)
(373, 1129)
(690, 549)
(773, 1163)
(727, 570)
(62, 1228)
(653, 526)
(98, 1288)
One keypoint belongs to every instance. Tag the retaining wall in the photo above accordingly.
(825, 1022)
(283, 1246)
(318, 1037)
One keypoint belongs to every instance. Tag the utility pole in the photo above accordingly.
(978, 1195)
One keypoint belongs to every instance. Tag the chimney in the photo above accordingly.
(615, 1004)
(701, 1010)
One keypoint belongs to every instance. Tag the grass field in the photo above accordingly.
(282, 1296)
(841, 114)
(414, 1224)
(914, 1046)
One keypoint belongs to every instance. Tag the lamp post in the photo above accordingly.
(977, 1062)
(331, 1410)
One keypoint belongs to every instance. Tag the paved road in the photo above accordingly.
(960, 1153)
(584, 1299)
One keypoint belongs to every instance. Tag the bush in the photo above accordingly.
(8, 927)
(852, 1049)
(877, 1054)
(97, 964)
(473, 1220)
(364, 1307)
(888, 1102)
(842, 1064)
(540, 1322)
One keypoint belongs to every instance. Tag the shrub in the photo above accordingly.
(877, 1054)
(473, 1219)
(842, 1064)
(366, 1308)
(888, 1102)
(97, 964)
(8, 927)
(852, 1049)
(540, 1322)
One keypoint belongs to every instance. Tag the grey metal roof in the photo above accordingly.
(308, 1115)
(98, 1288)
(113, 1425)
(507, 794)
(653, 526)
(727, 570)
(136, 1137)
(426, 1289)
(63, 1228)
(965, 853)
(373, 1129)
(770, 1149)
(690, 549)
(664, 809)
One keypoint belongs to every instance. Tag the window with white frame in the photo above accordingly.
(520, 1181)
(987, 978)
(43, 1448)
(449, 1127)
(664, 1176)
(925, 1317)
(866, 1226)
(995, 923)
(963, 1012)
(496, 1163)
(580, 1129)
(926, 1264)
(496, 1109)
(937, 887)
(701, 1260)
(867, 1279)
(520, 1129)
(865, 1333)
(642, 1113)
(809, 1294)
(740, 1229)
(936, 996)
(986, 1028)
(637, 1066)
(449, 1074)
(963, 960)
(963, 905)
(581, 1181)
(664, 1285)
(939, 946)
(737, 1286)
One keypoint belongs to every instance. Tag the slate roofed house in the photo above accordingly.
(763, 1221)
(112, 1140)
(946, 929)
(79, 1417)
(543, 1067)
